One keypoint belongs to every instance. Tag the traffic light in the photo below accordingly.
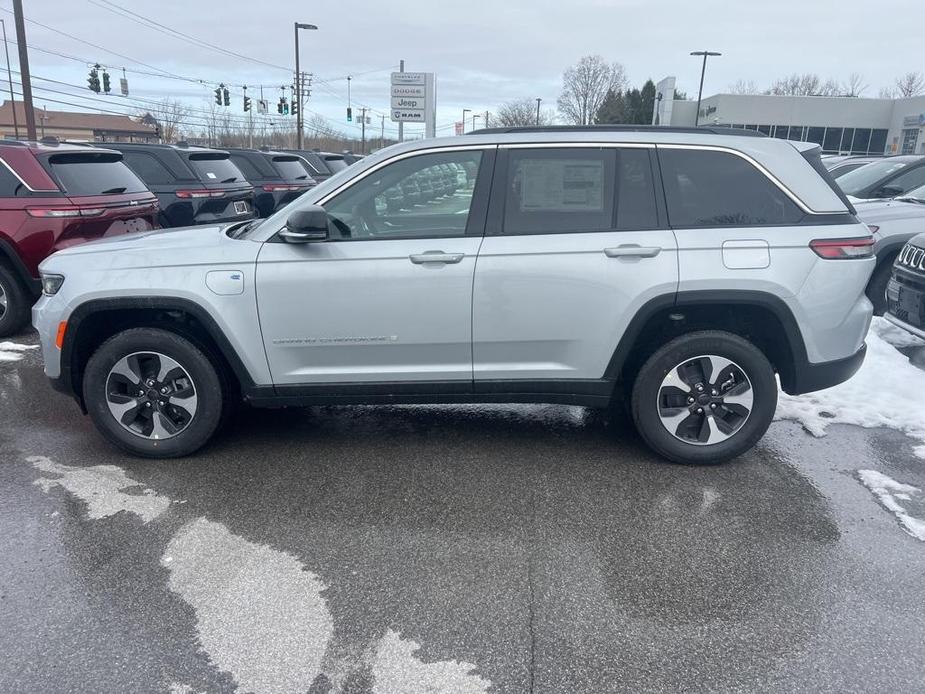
(218, 95)
(247, 103)
(294, 108)
(285, 107)
(349, 115)
(279, 106)
(227, 100)
(93, 81)
(106, 87)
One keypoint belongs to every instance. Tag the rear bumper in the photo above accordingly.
(810, 377)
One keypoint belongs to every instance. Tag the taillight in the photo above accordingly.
(57, 212)
(841, 249)
(186, 194)
(275, 187)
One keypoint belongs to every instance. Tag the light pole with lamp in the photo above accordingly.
(474, 116)
(538, 102)
(297, 96)
(465, 111)
(703, 71)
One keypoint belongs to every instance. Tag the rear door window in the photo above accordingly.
(148, 168)
(215, 168)
(94, 173)
(247, 168)
(551, 190)
(706, 188)
(290, 168)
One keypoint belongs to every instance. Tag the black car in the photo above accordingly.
(886, 178)
(193, 185)
(278, 177)
(905, 292)
(314, 164)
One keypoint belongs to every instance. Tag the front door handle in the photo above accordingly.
(632, 250)
(436, 257)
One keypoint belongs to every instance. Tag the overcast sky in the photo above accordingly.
(483, 52)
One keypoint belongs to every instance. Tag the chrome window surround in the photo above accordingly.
(597, 145)
(28, 187)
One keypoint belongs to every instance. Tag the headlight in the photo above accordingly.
(51, 284)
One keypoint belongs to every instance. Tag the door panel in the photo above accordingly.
(570, 262)
(555, 305)
(389, 296)
(363, 311)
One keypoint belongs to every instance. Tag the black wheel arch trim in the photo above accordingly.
(800, 376)
(66, 382)
(31, 283)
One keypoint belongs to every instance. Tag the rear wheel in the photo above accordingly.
(153, 393)
(704, 398)
(15, 303)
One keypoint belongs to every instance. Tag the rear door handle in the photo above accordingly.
(436, 257)
(631, 250)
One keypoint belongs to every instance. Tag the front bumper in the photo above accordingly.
(45, 319)
(905, 297)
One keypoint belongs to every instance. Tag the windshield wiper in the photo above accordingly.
(113, 191)
(906, 198)
(230, 180)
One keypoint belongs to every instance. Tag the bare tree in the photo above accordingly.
(172, 117)
(585, 85)
(744, 87)
(521, 112)
(910, 84)
(855, 86)
(807, 84)
(887, 93)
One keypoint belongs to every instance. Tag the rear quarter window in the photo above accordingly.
(148, 168)
(93, 173)
(290, 168)
(705, 188)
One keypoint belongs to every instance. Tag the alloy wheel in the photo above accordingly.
(705, 400)
(151, 395)
(4, 301)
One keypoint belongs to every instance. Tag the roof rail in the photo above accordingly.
(711, 130)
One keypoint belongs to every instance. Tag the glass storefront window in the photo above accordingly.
(815, 135)
(861, 141)
(877, 141)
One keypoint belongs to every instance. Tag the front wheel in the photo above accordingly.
(153, 393)
(704, 398)
(876, 286)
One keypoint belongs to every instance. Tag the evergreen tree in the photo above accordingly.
(612, 110)
(648, 103)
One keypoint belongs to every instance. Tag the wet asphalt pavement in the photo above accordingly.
(448, 549)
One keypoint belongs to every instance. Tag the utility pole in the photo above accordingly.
(9, 74)
(703, 71)
(363, 130)
(538, 102)
(24, 69)
(382, 132)
(486, 120)
(401, 124)
(298, 83)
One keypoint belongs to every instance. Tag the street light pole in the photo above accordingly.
(9, 74)
(297, 96)
(474, 116)
(24, 69)
(538, 102)
(465, 111)
(703, 71)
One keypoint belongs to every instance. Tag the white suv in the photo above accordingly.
(678, 269)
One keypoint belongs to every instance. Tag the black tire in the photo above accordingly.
(876, 286)
(649, 380)
(15, 316)
(202, 372)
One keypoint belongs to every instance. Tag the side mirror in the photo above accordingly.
(306, 225)
(888, 192)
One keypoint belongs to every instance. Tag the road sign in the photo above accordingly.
(460, 127)
(414, 100)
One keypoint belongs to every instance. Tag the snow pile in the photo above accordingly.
(887, 391)
(890, 493)
(12, 351)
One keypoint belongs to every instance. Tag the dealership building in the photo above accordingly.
(841, 125)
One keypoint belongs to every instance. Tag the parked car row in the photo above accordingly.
(58, 194)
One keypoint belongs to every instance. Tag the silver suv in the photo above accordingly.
(678, 270)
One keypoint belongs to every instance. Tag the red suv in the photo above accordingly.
(55, 195)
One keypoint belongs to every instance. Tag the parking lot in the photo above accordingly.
(450, 549)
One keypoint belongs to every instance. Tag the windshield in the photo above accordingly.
(215, 167)
(861, 179)
(89, 173)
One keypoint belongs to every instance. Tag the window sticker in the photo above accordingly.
(561, 185)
